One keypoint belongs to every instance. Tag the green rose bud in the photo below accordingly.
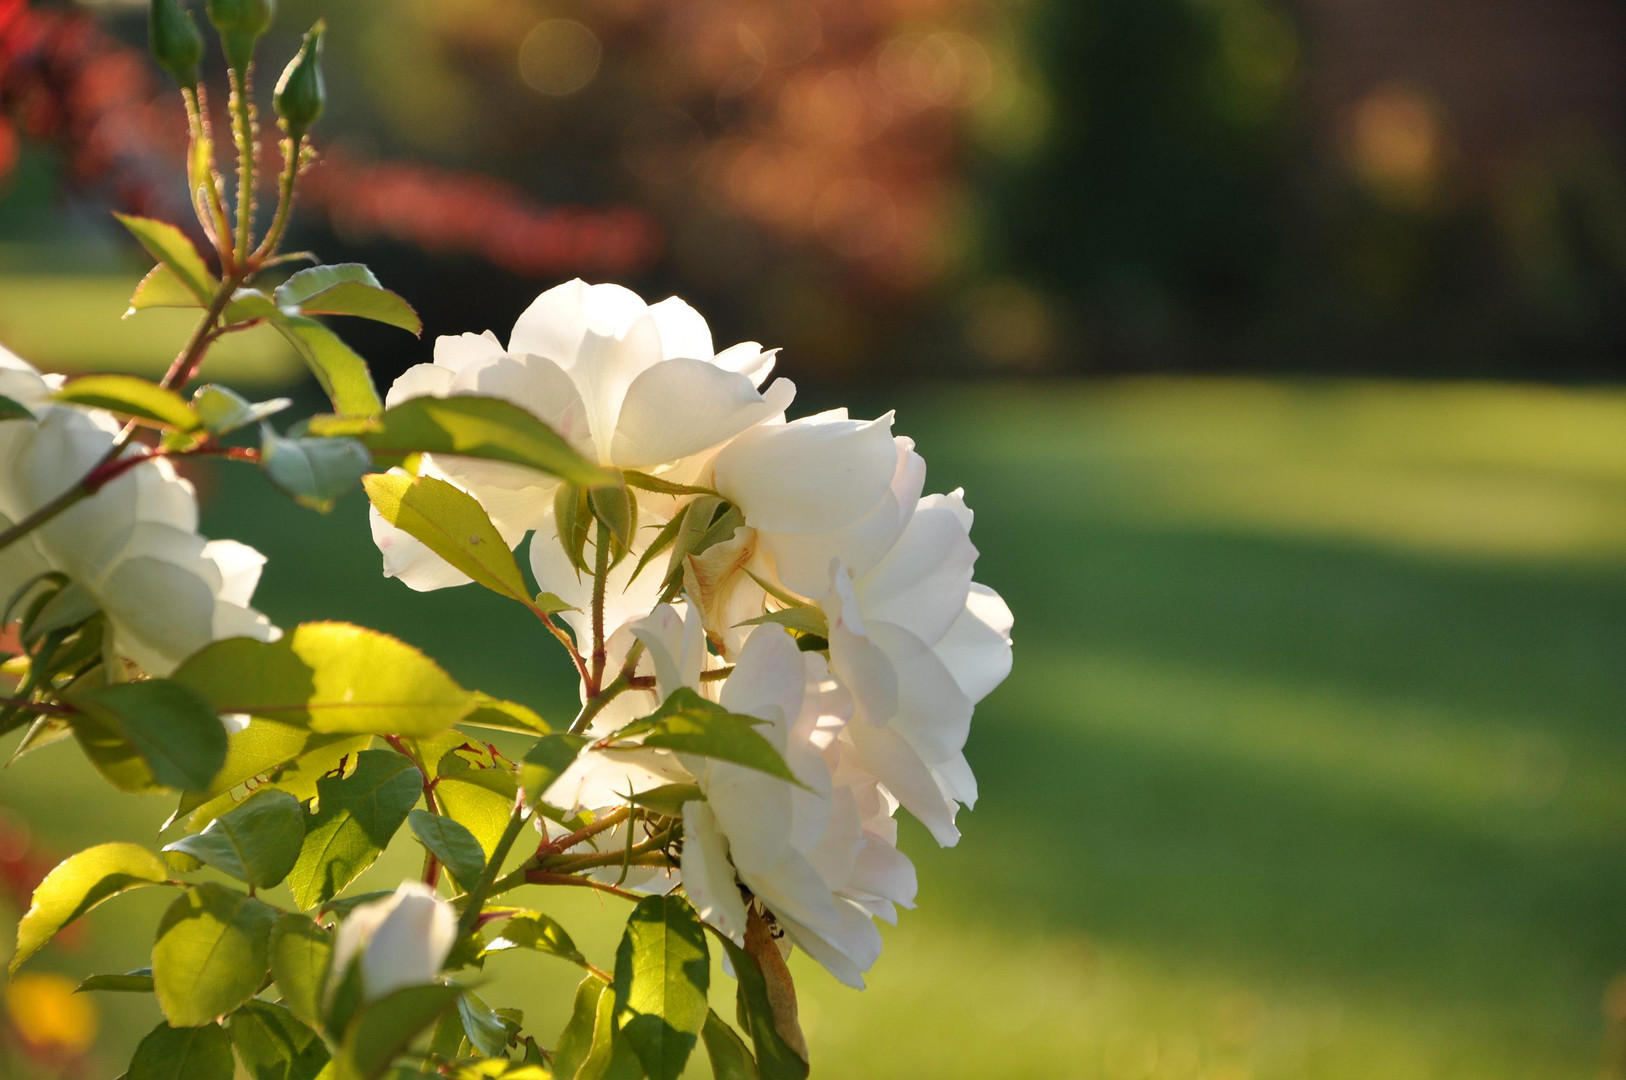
(300, 95)
(175, 41)
(240, 23)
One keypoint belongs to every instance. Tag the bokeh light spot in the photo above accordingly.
(559, 57)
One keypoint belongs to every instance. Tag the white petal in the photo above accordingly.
(769, 678)
(412, 942)
(921, 584)
(846, 950)
(460, 352)
(420, 380)
(977, 648)
(708, 876)
(240, 567)
(676, 644)
(802, 560)
(683, 330)
(605, 368)
(410, 559)
(160, 613)
(681, 407)
(932, 712)
(884, 871)
(815, 474)
(537, 385)
(749, 359)
(897, 765)
(552, 327)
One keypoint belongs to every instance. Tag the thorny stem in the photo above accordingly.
(596, 703)
(211, 212)
(291, 149)
(564, 639)
(242, 112)
(544, 877)
(637, 855)
(431, 864)
(570, 840)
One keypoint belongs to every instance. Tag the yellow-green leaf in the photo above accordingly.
(211, 953)
(452, 525)
(171, 247)
(333, 677)
(79, 883)
(470, 426)
(162, 289)
(131, 396)
(342, 373)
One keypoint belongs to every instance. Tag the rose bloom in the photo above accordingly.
(134, 545)
(401, 940)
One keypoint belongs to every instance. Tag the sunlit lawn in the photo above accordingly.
(1313, 763)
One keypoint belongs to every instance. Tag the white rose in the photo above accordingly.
(628, 384)
(402, 940)
(134, 545)
(919, 644)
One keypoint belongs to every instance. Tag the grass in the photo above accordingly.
(1312, 764)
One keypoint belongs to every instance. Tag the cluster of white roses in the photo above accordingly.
(833, 519)
(134, 549)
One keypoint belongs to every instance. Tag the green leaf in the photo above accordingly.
(481, 800)
(246, 305)
(547, 758)
(171, 247)
(355, 818)
(256, 843)
(301, 951)
(456, 848)
(13, 410)
(550, 604)
(611, 1056)
(183, 1053)
(576, 1041)
(668, 799)
(539, 932)
(730, 1058)
(272, 1044)
(313, 472)
(269, 753)
(490, 712)
(346, 289)
(776, 1059)
(334, 677)
(662, 972)
(343, 374)
(803, 619)
(79, 883)
(211, 953)
(173, 731)
(129, 395)
(383, 1030)
(617, 509)
(488, 1033)
(571, 517)
(138, 981)
(453, 525)
(646, 482)
(162, 289)
(663, 539)
(689, 724)
(470, 426)
(222, 410)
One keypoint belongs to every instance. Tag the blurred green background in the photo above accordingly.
(1273, 344)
